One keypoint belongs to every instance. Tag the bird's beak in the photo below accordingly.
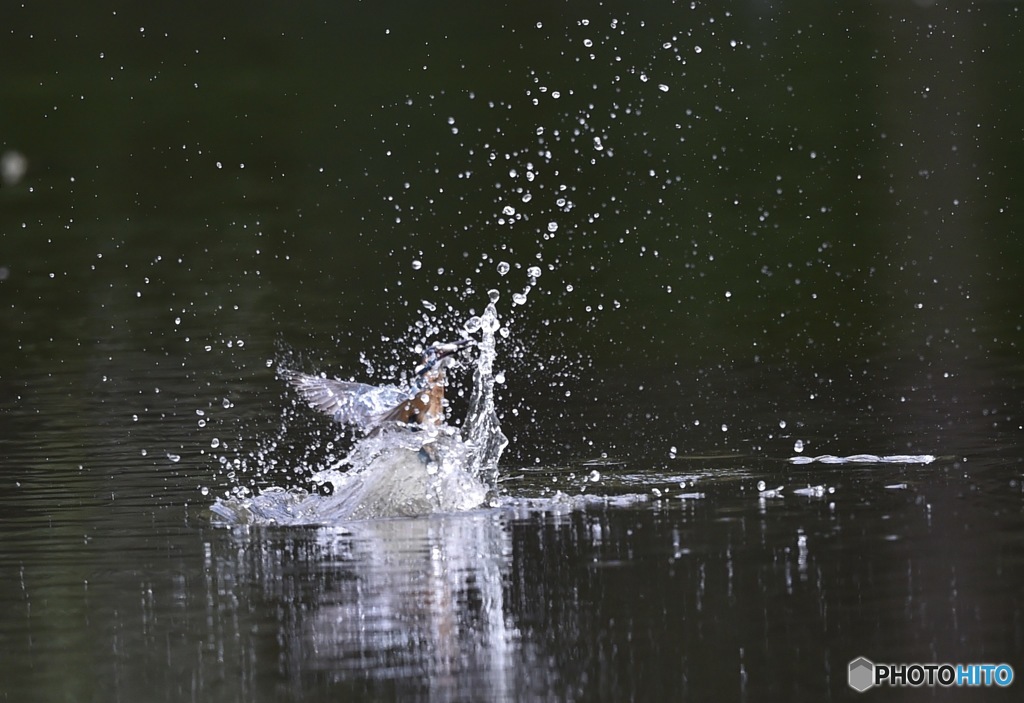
(447, 349)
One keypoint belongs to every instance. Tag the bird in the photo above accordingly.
(370, 408)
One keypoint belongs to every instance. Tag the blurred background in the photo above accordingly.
(723, 234)
(718, 198)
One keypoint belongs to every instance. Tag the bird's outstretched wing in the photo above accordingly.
(358, 404)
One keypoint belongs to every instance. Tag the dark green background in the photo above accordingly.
(812, 234)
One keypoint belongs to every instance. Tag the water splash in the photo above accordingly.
(482, 429)
(390, 475)
(398, 471)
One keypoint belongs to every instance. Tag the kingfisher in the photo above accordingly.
(370, 408)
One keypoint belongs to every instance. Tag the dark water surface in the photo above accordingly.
(763, 231)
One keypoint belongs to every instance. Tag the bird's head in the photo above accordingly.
(436, 355)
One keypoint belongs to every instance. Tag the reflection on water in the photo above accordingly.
(415, 607)
(635, 596)
(685, 583)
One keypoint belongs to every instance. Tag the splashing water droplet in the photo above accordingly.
(798, 446)
(503, 267)
(482, 430)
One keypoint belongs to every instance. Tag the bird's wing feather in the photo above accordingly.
(348, 402)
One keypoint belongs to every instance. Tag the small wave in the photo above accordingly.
(815, 491)
(864, 459)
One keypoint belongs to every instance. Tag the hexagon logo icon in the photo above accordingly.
(861, 675)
